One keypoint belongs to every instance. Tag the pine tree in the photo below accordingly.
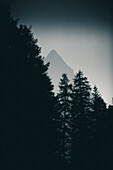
(36, 98)
(98, 103)
(28, 100)
(100, 118)
(63, 121)
(81, 119)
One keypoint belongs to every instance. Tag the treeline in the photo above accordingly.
(84, 126)
(39, 130)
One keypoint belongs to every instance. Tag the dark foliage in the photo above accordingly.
(73, 130)
(63, 121)
(99, 124)
(26, 113)
(81, 120)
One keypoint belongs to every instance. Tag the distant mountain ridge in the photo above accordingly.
(57, 67)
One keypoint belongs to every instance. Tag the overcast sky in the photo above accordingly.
(79, 30)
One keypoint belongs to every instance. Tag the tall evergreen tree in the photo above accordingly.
(28, 99)
(99, 105)
(99, 117)
(81, 118)
(63, 120)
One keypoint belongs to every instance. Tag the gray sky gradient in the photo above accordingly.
(88, 50)
(80, 31)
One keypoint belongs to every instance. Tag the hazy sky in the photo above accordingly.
(79, 30)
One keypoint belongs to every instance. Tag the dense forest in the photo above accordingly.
(72, 130)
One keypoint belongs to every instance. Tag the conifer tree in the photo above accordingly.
(98, 103)
(100, 118)
(81, 107)
(28, 100)
(63, 120)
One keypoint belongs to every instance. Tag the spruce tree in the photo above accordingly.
(81, 108)
(100, 118)
(63, 120)
(99, 105)
(28, 100)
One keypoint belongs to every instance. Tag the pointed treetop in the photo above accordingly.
(96, 92)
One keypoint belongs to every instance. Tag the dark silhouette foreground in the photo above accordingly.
(73, 130)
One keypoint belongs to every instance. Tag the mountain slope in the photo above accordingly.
(57, 67)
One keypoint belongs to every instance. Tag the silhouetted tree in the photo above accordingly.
(99, 117)
(28, 100)
(81, 120)
(40, 131)
(64, 122)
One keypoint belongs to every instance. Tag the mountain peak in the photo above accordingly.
(57, 67)
(53, 53)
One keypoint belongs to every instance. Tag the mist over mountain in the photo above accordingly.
(57, 67)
